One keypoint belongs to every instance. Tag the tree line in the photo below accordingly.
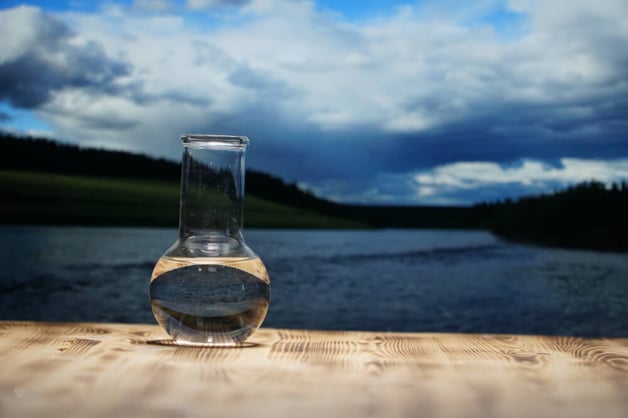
(27, 153)
(587, 215)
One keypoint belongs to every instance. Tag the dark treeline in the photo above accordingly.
(444, 217)
(47, 156)
(589, 215)
(44, 155)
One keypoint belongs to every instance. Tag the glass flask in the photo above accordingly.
(210, 288)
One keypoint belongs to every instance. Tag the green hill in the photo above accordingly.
(44, 198)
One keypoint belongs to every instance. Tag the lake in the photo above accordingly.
(376, 280)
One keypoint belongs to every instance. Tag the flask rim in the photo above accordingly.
(214, 141)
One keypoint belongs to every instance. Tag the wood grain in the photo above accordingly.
(121, 370)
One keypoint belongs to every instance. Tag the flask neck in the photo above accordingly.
(212, 193)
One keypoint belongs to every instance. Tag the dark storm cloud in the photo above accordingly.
(259, 82)
(49, 59)
(339, 164)
(589, 128)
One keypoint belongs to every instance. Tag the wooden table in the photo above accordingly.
(121, 370)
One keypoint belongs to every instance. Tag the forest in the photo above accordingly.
(589, 215)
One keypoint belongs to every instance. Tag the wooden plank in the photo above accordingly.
(120, 370)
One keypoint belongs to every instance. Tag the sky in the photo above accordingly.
(376, 102)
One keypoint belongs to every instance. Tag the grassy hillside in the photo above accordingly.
(40, 198)
(48, 156)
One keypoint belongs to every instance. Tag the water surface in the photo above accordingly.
(396, 280)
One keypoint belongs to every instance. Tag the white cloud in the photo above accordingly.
(460, 176)
(410, 122)
(153, 6)
(16, 32)
(209, 4)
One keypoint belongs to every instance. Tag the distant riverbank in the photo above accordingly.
(587, 217)
(48, 183)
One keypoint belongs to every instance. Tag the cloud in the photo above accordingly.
(153, 6)
(40, 56)
(209, 4)
(452, 181)
(353, 109)
(466, 182)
